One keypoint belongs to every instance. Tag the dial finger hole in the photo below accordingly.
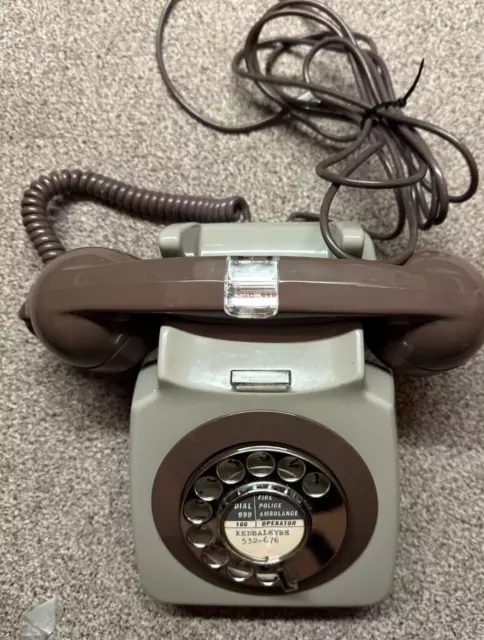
(260, 464)
(200, 537)
(208, 488)
(267, 579)
(230, 471)
(197, 511)
(316, 485)
(291, 469)
(215, 556)
(239, 571)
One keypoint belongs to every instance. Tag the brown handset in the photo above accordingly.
(424, 317)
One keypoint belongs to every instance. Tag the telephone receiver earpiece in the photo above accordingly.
(88, 305)
(107, 343)
(431, 344)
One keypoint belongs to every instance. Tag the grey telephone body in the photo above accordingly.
(329, 380)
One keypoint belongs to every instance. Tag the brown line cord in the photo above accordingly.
(379, 126)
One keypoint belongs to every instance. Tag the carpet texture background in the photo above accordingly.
(80, 87)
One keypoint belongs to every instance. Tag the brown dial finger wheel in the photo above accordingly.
(263, 517)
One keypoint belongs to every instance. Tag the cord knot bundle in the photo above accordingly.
(378, 126)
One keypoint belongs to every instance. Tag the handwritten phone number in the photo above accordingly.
(265, 540)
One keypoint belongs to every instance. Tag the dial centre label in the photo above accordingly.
(264, 527)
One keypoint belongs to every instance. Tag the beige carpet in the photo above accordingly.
(80, 87)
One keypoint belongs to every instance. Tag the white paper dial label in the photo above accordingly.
(264, 527)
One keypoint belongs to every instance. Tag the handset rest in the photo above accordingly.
(427, 315)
